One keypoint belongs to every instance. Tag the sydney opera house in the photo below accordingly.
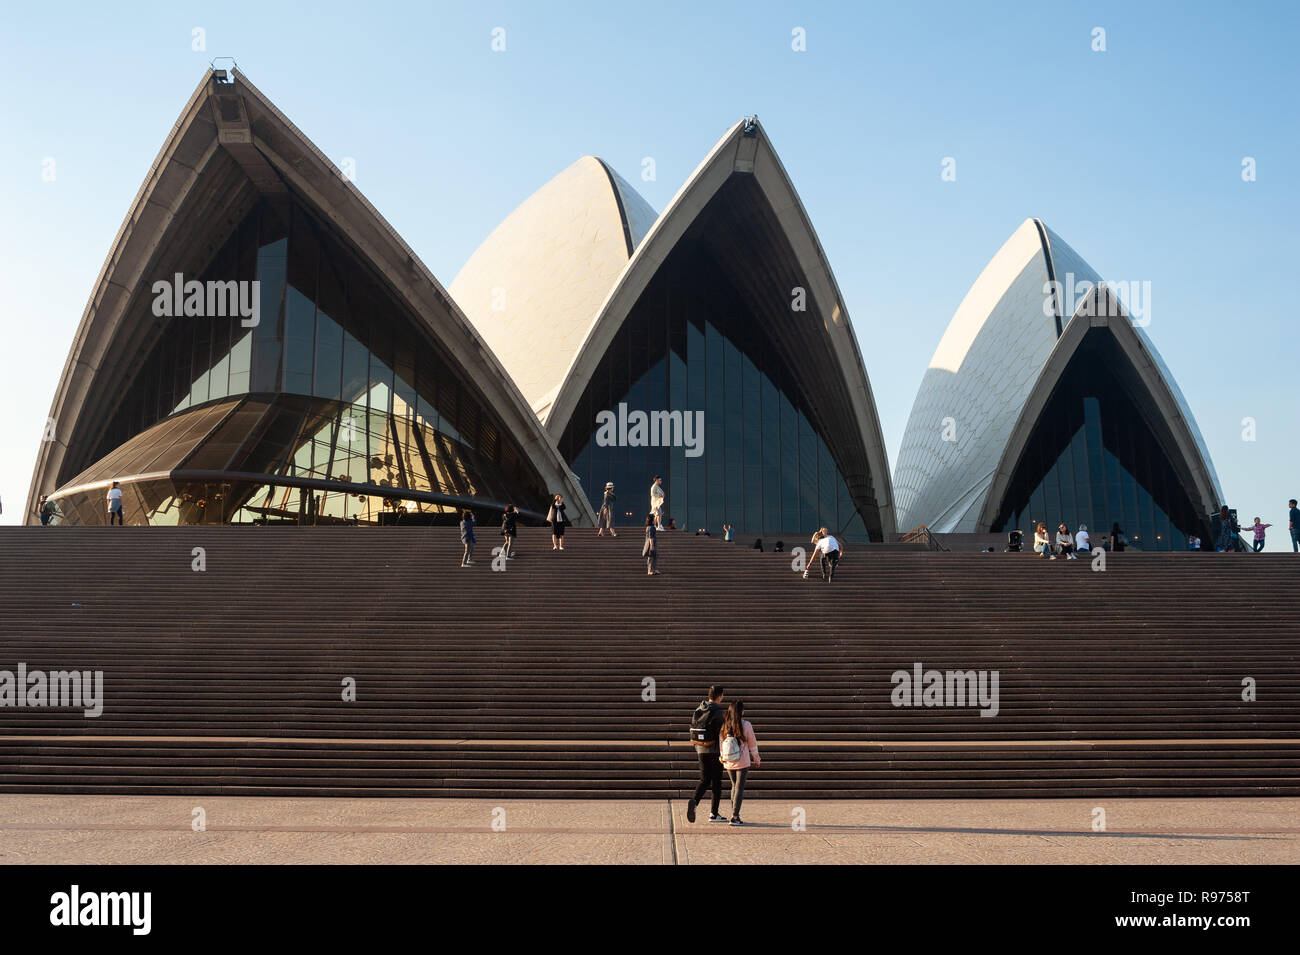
(362, 390)
(1038, 409)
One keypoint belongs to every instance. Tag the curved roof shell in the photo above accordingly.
(741, 205)
(229, 148)
(996, 364)
(1101, 313)
(533, 285)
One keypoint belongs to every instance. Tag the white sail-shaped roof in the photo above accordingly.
(978, 380)
(534, 284)
(230, 146)
(744, 173)
(995, 368)
(1100, 312)
(552, 285)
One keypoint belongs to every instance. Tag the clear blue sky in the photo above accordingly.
(1132, 155)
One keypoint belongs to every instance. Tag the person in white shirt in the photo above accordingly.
(657, 496)
(1043, 542)
(828, 548)
(115, 504)
(1082, 542)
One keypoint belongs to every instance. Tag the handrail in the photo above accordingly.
(920, 534)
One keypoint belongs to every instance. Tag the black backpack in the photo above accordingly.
(706, 723)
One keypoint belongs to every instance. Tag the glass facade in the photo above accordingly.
(379, 404)
(288, 458)
(1093, 459)
(691, 345)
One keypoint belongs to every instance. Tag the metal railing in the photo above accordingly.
(920, 534)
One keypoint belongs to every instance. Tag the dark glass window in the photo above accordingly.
(1094, 458)
(388, 408)
(693, 348)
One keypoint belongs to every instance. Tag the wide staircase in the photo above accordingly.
(574, 674)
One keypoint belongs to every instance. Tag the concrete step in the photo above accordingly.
(530, 681)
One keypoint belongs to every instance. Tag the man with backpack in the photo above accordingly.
(706, 724)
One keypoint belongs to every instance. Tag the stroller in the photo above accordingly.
(1014, 541)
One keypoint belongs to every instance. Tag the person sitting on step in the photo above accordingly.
(1065, 542)
(1043, 541)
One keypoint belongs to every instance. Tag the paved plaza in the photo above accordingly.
(104, 830)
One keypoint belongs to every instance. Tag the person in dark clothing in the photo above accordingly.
(557, 519)
(509, 527)
(1228, 530)
(1117, 539)
(707, 753)
(605, 516)
(1294, 524)
(45, 510)
(467, 537)
(758, 543)
(650, 549)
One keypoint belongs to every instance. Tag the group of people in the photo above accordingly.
(724, 740)
(509, 530)
(654, 522)
(1229, 530)
(1070, 546)
(557, 516)
(825, 546)
(47, 510)
(1228, 540)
